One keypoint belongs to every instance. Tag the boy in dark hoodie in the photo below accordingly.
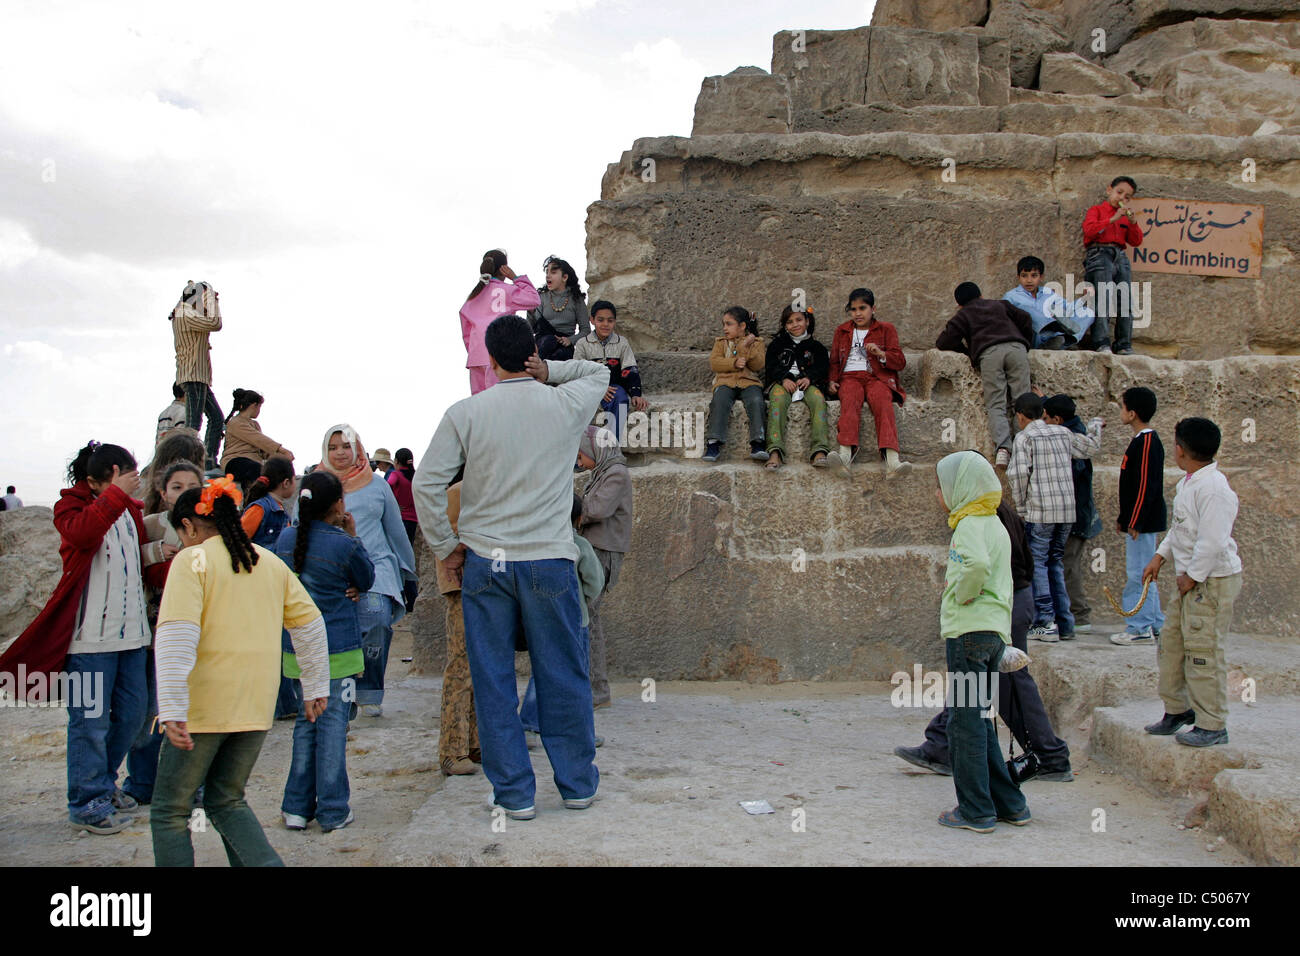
(996, 336)
(1060, 410)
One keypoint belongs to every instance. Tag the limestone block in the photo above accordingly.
(886, 117)
(1048, 119)
(1259, 812)
(995, 70)
(916, 67)
(746, 100)
(1071, 73)
(1031, 33)
(30, 567)
(935, 15)
(824, 69)
(1124, 22)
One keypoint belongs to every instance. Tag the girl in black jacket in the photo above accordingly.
(797, 369)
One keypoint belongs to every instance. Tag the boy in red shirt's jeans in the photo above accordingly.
(1108, 228)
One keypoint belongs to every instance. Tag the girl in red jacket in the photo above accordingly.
(95, 627)
(865, 362)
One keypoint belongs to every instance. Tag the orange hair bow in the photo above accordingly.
(215, 489)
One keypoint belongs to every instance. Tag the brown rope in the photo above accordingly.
(1119, 608)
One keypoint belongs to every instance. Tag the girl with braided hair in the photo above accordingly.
(498, 292)
(218, 655)
(333, 565)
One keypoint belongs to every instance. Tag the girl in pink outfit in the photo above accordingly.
(492, 297)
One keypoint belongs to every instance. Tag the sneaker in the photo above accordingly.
(457, 766)
(1002, 459)
(1082, 627)
(1126, 350)
(1199, 737)
(820, 460)
(1013, 659)
(352, 818)
(1023, 819)
(1129, 638)
(109, 823)
(712, 450)
(1065, 775)
(373, 710)
(758, 451)
(124, 801)
(917, 758)
(1047, 633)
(526, 813)
(951, 818)
(1104, 350)
(580, 804)
(1169, 723)
(294, 822)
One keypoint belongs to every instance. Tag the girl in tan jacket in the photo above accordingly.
(246, 448)
(737, 361)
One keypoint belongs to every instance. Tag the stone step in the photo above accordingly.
(1252, 400)
(1249, 782)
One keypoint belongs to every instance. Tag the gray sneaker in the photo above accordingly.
(1047, 633)
(1104, 350)
(582, 803)
(111, 823)
(1199, 737)
(1130, 638)
(124, 801)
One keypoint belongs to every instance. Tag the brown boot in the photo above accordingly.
(458, 766)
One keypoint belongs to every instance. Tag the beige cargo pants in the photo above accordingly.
(1193, 672)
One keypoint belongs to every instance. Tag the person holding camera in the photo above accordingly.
(196, 316)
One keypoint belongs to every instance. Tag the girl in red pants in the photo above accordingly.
(865, 362)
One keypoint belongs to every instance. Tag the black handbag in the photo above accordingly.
(1026, 765)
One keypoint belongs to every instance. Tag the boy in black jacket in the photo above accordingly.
(1142, 514)
(1060, 410)
(797, 368)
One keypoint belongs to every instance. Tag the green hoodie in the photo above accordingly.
(977, 587)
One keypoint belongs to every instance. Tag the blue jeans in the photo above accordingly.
(1137, 555)
(375, 617)
(1051, 600)
(985, 790)
(542, 598)
(528, 708)
(104, 719)
(200, 401)
(142, 761)
(318, 775)
(616, 413)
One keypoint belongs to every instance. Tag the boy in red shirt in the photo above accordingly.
(1108, 228)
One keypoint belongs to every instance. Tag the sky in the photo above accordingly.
(334, 171)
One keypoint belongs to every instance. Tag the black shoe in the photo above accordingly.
(1065, 775)
(712, 451)
(1170, 723)
(917, 758)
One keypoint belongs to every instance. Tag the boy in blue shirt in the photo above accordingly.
(1057, 323)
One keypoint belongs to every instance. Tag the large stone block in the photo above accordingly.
(916, 67)
(746, 100)
(929, 14)
(886, 117)
(1123, 21)
(995, 70)
(1031, 33)
(825, 69)
(1071, 73)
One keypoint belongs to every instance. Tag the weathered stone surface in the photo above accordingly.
(1071, 73)
(1046, 119)
(1031, 33)
(746, 100)
(1259, 810)
(995, 70)
(29, 567)
(825, 69)
(1161, 763)
(885, 117)
(929, 14)
(916, 67)
(1124, 21)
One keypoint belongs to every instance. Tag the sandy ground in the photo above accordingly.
(673, 773)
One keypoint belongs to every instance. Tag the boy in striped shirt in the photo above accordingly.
(1142, 513)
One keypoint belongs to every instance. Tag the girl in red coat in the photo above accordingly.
(96, 628)
(865, 362)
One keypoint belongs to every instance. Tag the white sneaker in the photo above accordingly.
(352, 817)
(580, 804)
(1129, 638)
(527, 813)
(1047, 633)
(294, 822)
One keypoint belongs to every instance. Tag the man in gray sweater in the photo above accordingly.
(515, 553)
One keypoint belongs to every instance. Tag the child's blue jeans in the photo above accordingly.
(317, 787)
(102, 725)
(1138, 553)
(1051, 599)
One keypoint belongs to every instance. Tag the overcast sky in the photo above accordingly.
(335, 171)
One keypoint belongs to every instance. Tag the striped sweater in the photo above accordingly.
(190, 330)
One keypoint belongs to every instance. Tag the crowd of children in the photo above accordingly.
(302, 587)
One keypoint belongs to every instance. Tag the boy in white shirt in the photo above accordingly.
(1193, 673)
